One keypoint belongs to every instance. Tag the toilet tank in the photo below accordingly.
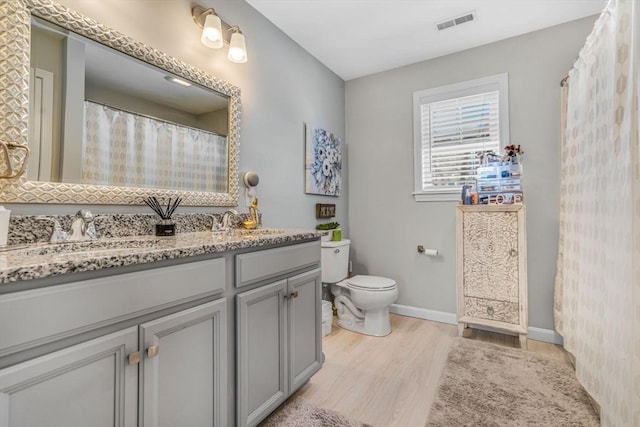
(335, 261)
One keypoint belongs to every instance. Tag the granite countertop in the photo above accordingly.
(38, 261)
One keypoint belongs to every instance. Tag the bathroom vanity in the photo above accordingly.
(163, 334)
(201, 329)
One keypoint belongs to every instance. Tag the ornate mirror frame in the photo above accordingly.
(15, 22)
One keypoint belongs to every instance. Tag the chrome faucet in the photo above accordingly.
(57, 234)
(226, 217)
(216, 222)
(82, 227)
(221, 222)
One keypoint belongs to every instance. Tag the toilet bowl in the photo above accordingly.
(362, 302)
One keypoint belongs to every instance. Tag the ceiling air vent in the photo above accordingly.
(467, 17)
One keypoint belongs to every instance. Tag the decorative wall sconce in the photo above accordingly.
(216, 33)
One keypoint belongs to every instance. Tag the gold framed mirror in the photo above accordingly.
(14, 121)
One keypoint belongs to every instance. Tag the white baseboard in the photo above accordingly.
(423, 313)
(545, 335)
(537, 334)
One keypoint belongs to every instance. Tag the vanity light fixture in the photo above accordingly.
(237, 47)
(216, 33)
(212, 30)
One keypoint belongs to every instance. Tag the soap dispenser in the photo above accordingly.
(4, 225)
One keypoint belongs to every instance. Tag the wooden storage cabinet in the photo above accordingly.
(492, 268)
(279, 341)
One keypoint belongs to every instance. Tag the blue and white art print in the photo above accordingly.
(323, 168)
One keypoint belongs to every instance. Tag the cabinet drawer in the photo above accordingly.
(499, 311)
(39, 316)
(262, 265)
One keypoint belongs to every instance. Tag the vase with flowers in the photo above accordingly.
(512, 153)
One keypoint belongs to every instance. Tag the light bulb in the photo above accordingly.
(237, 48)
(212, 32)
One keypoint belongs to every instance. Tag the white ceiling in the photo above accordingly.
(120, 73)
(355, 38)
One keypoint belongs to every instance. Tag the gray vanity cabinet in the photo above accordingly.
(304, 323)
(148, 361)
(279, 341)
(89, 384)
(262, 351)
(183, 374)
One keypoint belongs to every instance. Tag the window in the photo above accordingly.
(451, 125)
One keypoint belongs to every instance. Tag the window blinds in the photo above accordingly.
(453, 131)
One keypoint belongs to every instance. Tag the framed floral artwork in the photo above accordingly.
(323, 165)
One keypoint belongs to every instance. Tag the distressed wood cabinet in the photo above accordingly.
(492, 268)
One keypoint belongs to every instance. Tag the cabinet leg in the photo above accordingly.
(523, 341)
(461, 327)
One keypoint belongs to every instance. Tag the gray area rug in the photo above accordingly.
(298, 412)
(489, 385)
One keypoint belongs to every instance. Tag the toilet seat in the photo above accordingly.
(370, 283)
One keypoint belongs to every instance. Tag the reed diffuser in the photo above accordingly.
(166, 226)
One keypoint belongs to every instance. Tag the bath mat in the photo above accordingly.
(299, 412)
(484, 384)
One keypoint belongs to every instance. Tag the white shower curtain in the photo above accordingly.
(125, 149)
(598, 280)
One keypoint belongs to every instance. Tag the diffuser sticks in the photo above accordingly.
(166, 227)
(154, 204)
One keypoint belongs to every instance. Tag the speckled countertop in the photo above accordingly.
(38, 261)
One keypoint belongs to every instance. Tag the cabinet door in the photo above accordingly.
(89, 384)
(261, 351)
(183, 376)
(490, 248)
(305, 328)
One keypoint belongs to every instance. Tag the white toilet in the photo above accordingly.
(362, 302)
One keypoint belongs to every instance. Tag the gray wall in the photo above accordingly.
(385, 222)
(282, 86)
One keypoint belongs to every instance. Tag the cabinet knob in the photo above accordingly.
(153, 351)
(292, 295)
(134, 358)
(490, 311)
(513, 252)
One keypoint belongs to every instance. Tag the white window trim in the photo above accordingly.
(499, 82)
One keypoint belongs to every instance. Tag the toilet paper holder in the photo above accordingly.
(430, 252)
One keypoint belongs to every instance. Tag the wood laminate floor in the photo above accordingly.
(392, 381)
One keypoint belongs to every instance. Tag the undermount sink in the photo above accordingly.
(257, 232)
(110, 246)
(74, 248)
